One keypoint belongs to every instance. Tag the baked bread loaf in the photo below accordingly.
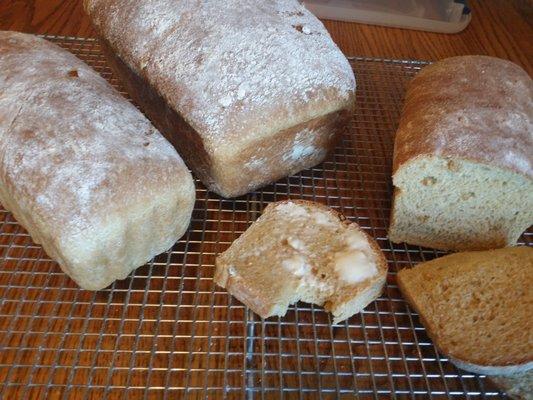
(248, 91)
(81, 168)
(477, 307)
(299, 250)
(463, 156)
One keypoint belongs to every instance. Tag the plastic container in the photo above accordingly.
(445, 16)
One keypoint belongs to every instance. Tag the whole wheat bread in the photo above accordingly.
(463, 156)
(477, 307)
(299, 250)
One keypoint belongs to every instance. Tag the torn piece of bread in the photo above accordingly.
(300, 250)
(463, 156)
(477, 307)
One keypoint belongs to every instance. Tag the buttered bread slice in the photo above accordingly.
(299, 250)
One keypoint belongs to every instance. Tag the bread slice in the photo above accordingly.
(463, 156)
(300, 250)
(477, 307)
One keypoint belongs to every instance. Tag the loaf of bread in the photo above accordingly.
(248, 91)
(81, 168)
(463, 156)
(299, 250)
(477, 307)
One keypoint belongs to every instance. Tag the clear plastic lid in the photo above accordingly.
(446, 16)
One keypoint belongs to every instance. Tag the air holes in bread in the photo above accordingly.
(429, 181)
(423, 218)
(452, 166)
(468, 196)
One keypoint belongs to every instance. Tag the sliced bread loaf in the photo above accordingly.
(477, 307)
(463, 156)
(299, 250)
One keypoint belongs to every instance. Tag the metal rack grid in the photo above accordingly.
(168, 332)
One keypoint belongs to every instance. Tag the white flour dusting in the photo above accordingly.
(235, 68)
(74, 139)
(292, 209)
(482, 111)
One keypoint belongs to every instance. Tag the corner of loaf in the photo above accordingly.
(268, 159)
(126, 238)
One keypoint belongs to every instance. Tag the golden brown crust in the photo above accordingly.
(474, 107)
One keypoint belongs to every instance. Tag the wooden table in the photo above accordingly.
(501, 28)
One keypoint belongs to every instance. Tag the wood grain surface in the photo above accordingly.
(501, 28)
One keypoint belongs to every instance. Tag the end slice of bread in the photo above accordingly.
(477, 307)
(300, 250)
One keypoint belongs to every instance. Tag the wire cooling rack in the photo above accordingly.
(168, 332)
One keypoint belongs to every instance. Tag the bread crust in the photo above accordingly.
(518, 386)
(81, 168)
(478, 108)
(236, 132)
(239, 174)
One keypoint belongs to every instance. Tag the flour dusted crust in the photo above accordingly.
(236, 73)
(474, 107)
(81, 168)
